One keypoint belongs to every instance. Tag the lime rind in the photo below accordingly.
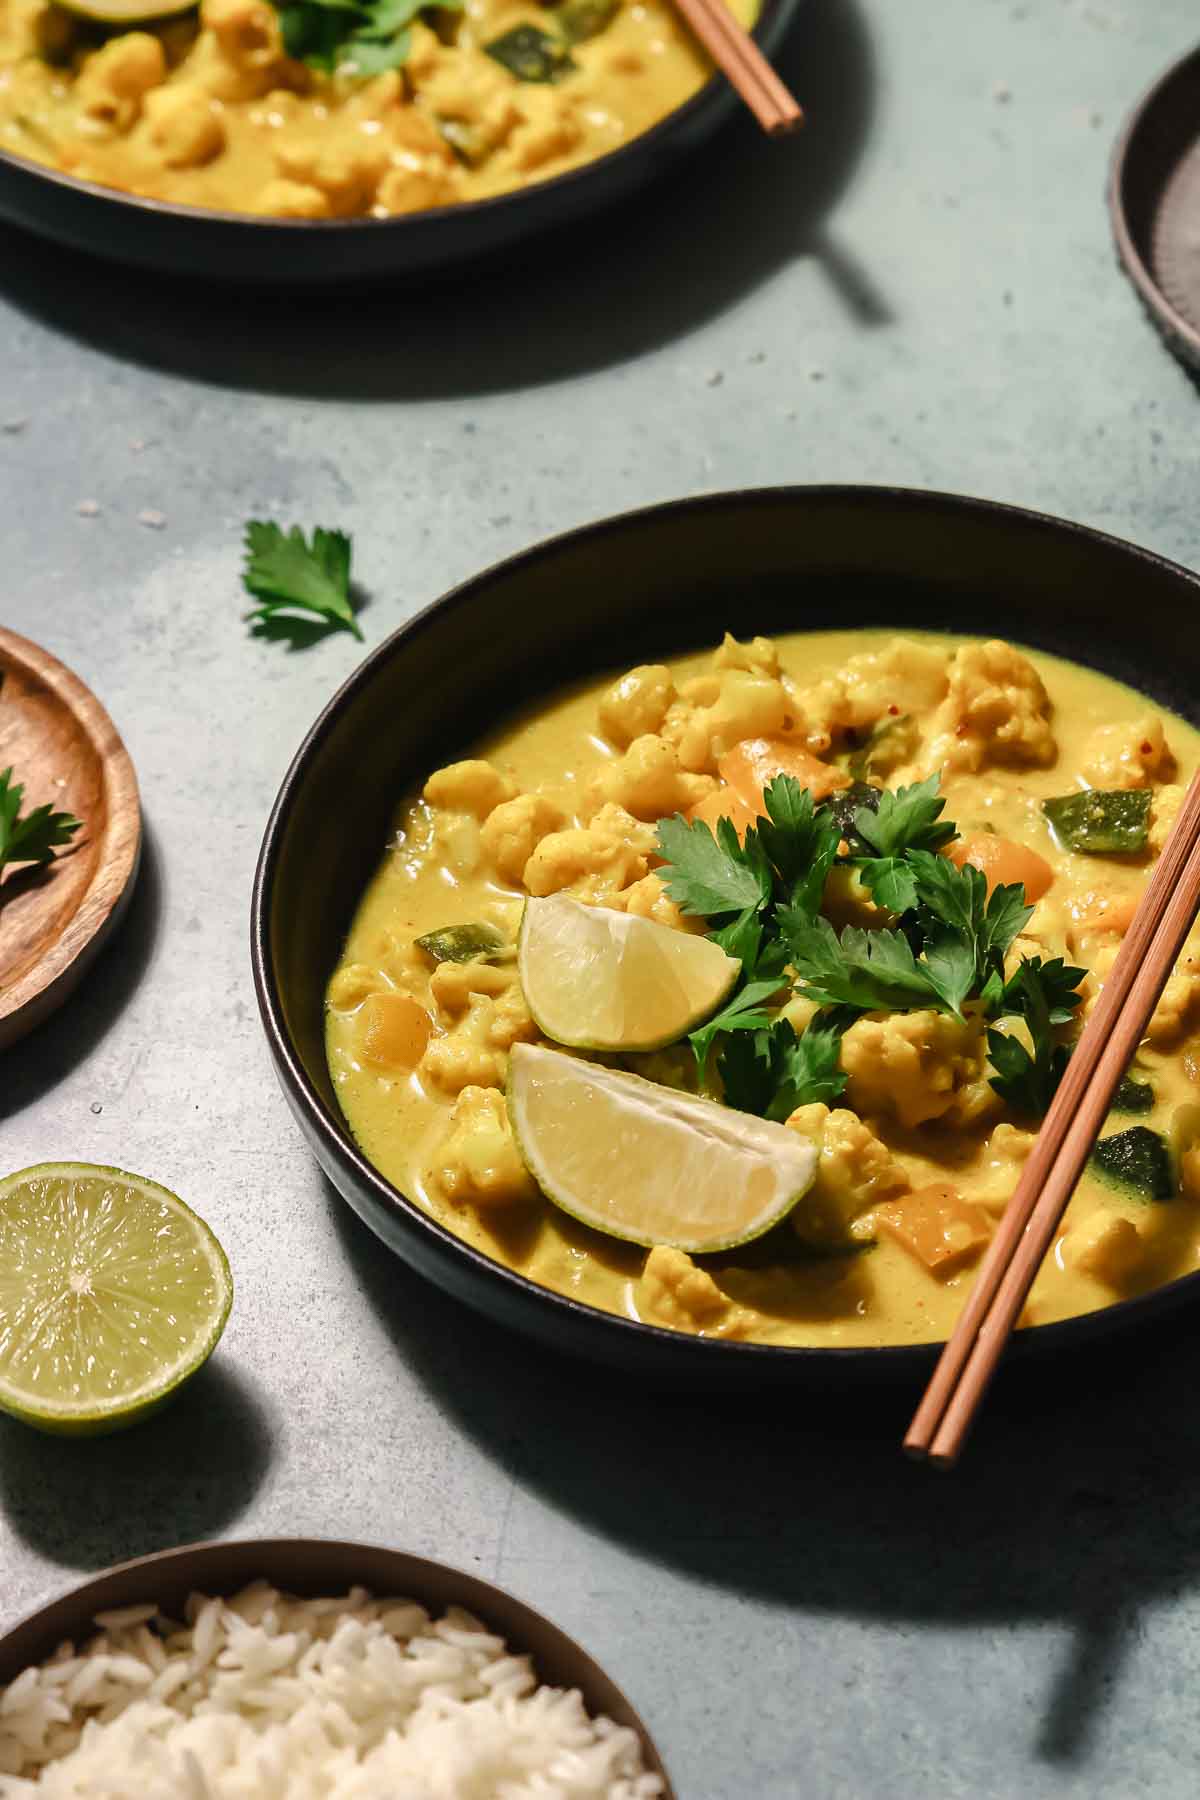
(648, 1164)
(92, 1417)
(598, 979)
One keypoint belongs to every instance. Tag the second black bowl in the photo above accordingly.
(635, 589)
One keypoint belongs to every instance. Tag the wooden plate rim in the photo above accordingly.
(47, 984)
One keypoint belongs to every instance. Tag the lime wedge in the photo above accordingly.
(647, 1163)
(126, 12)
(112, 1292)
(603, 980)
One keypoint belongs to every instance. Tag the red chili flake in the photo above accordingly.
(1146, 747)
(893, 710)
(960, 730)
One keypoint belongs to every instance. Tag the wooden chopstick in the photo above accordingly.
(747, 69)
(1072, 1123)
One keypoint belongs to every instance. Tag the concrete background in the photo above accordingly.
(919, 290)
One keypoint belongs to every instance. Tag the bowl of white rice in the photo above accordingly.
(307, 1669)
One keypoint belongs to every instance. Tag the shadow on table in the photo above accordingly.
(638, 276)
(183, 1475)
(1077, 1501)
(70, 1034)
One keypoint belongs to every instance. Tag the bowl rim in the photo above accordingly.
(280, 1545)
(335, 1136)
(712, 92)
(1152, 295)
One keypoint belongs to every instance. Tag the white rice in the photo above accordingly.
(267, 1697)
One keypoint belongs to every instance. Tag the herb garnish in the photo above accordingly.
(355, 37)
(287, 575)
(762, 897)
(32, 838)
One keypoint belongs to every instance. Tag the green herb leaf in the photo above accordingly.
(954, 904)
(1029, 1082)
(32, 838)
(772, 1072)
(712, 875)
(285, 574)
(799, 840)
(1058, 982)
(909, 819)
(870, 971)
(842, 808)
(745, 1012)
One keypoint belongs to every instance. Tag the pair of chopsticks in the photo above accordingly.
(739, 57)
(1072, 1124)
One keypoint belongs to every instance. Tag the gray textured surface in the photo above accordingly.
(921, 290)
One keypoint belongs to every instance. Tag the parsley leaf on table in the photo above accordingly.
(772, 1072)
(285, 575)
(32, 838)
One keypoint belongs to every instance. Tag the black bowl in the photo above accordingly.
(633, 589)
(238, 247)
(319, 1567)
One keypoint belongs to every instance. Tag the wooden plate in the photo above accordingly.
(64, 748)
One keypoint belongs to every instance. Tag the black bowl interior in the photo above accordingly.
(240, 248)
(629, 590)
(321, 1567)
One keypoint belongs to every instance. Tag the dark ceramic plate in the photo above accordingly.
(237, 247)
(628, 590)
(1154, 202)
(316, 1567)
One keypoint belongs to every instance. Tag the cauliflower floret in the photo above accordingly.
(917, 1066)
(905, 678)
(647, 899)
(513, 830)
(1007, 1150)
(854, 1171)
(473, 786)
(479, 1163)
(716, 712)
(1177, 1002)
(636, 704)
(1164, 810)
(674, 1292)
(759, 656)
(1132, 754)
(1106, 1245)
(595, 864)
(648, 781)
(454, 985)
(996, 711)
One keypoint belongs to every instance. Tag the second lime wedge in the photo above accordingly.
(112, 1292)
(647, 1163)
(599, 979)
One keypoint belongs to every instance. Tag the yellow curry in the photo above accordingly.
(409, 108)
(1040, 762)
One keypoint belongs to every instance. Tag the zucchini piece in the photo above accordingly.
(841, 807)
(580, 20)
(1100, 823)
(465, 943)
(531, 54)
(1133, 1096)
(1137, 1160)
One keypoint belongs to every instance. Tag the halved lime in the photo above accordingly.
(112, 1292)
(598, 979)
(647, 1163)
(119, 13)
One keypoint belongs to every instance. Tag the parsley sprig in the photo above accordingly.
(1044, 995)
(287, 575)
(352, 37)
(32, 837)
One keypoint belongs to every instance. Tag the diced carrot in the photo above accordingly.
(724, 803)
(1106, 912)
(393, 1030)
(1002, 861)
(937, 1226)
(750, 765)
